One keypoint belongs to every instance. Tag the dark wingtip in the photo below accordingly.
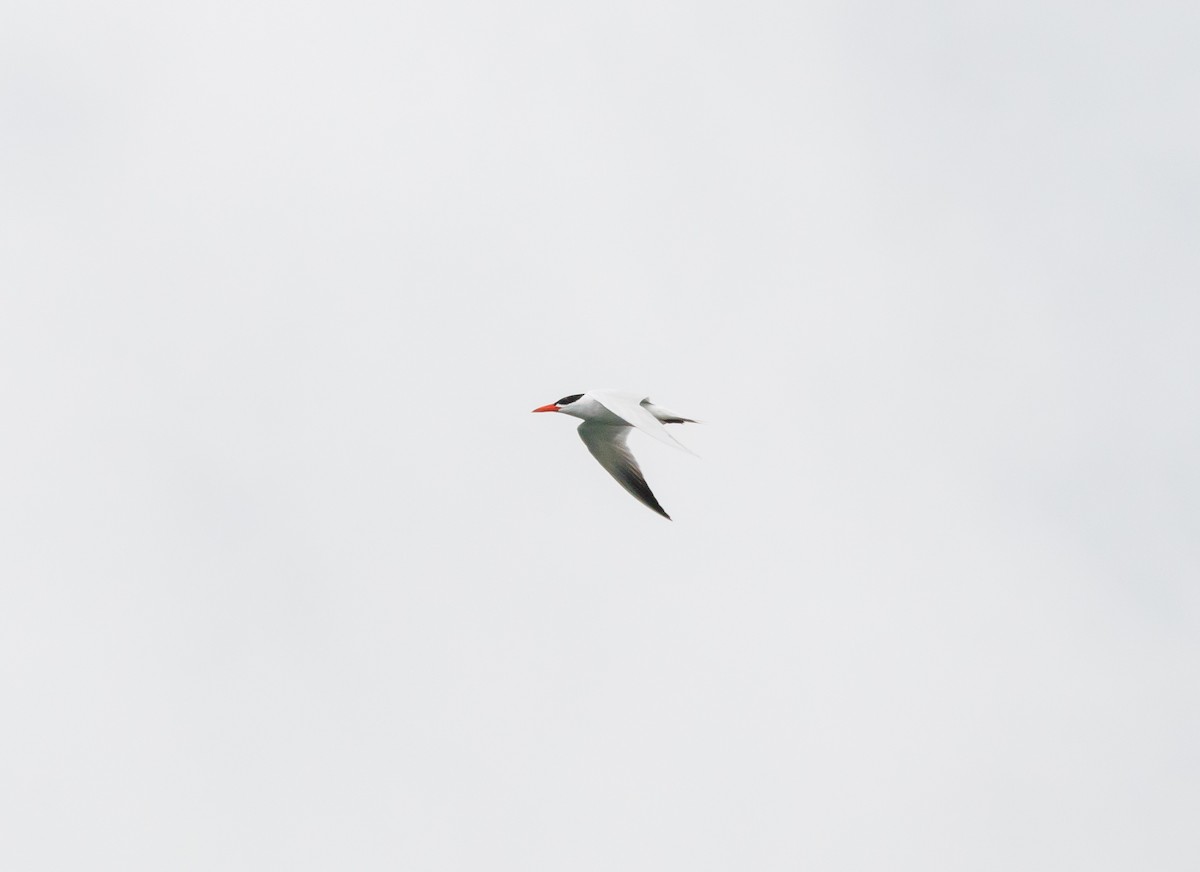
(653, 504)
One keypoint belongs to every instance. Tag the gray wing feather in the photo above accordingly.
(628, 406)
(607, 444)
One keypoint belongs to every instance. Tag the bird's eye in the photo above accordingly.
(566, 401)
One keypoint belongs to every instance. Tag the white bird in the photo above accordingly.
(608, 417)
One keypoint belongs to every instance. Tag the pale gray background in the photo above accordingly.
(293, 580)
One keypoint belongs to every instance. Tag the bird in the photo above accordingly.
(608, 416)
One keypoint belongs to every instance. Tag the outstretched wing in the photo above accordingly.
(628, 407)
(607, 444)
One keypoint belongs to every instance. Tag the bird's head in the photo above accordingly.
(568, 405)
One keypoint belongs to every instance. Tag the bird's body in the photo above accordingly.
(608, 416)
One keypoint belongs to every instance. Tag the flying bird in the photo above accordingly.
(608, 416)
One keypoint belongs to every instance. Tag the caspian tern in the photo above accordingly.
(608, 416)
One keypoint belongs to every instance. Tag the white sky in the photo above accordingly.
(293, 580)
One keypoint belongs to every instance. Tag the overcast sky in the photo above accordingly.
(291, 579)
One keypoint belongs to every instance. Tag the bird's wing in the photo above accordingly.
(628, 406)
(666, 416)
(607, 444)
